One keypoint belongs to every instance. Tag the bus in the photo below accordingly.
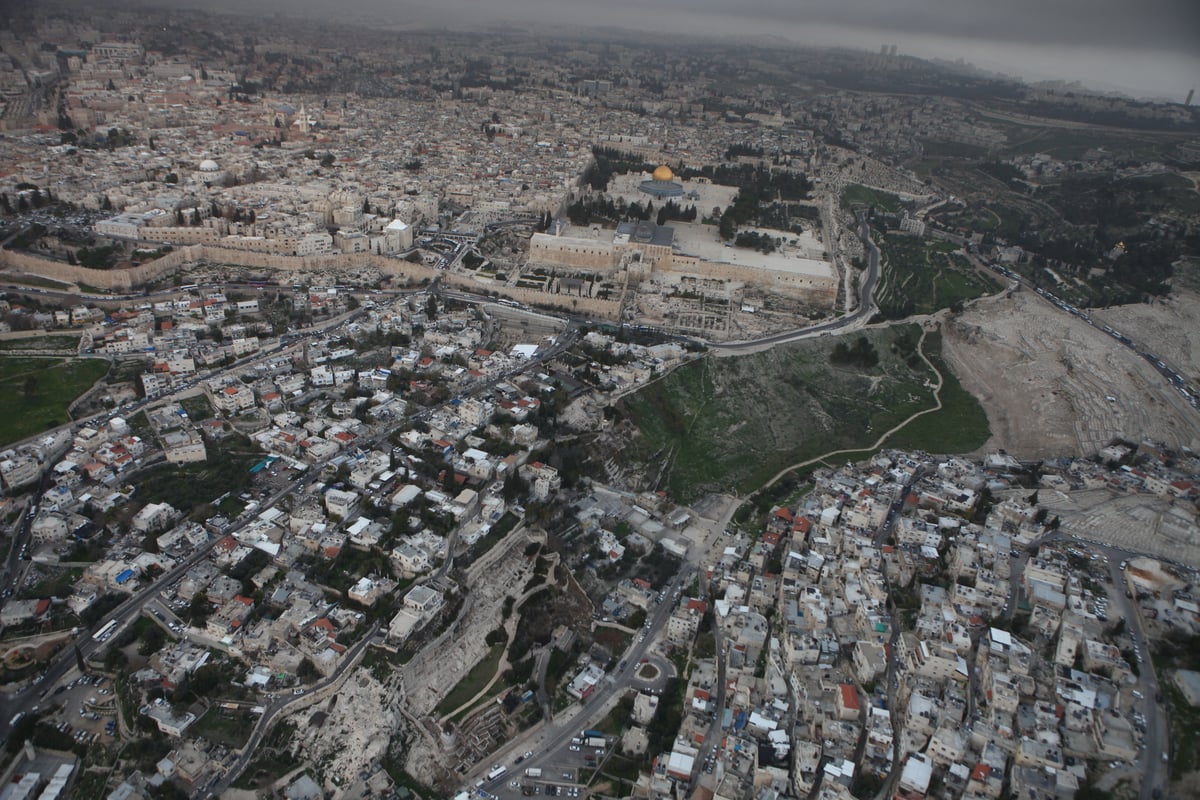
(498, 771)
(103, 634)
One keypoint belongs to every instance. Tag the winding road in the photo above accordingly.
(865, 310)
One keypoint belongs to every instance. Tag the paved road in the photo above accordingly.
(1156, 739)
(712, 737)
(128, 610)
(280, 706)
(551, 742)
(864, 311)
(1151, 765)
(1189, 392)
(132, 607)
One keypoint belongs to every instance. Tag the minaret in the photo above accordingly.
(303, 119)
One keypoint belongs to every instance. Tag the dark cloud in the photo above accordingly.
(1071, 22)
(1173, 24)
(1149, 47)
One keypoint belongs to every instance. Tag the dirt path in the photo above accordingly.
(510, 628)
(937, 396)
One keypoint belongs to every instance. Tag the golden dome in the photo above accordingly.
(663, 173)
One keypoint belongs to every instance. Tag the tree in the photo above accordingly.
(199, 610)
(153, 639)
(307, 671)
(515, 487)
(727, 227)
(327, 160)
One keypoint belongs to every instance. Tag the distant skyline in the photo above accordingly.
(1148, 48)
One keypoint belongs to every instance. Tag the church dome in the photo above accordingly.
(208, 165)
(663, 173)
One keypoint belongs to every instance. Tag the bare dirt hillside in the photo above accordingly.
(1170, 328)
(1053, 385)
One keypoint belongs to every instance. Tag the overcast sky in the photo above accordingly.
(1148, 47)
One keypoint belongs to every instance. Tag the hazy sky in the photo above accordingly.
(1149, 47)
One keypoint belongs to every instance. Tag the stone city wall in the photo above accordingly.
(587, 306)
(124, 280)
(572, 251)
(109, 279)
(813, 288)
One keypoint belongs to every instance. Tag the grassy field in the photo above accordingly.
(475, 680)
(222, 726)
(1071, 144)
(56, 342)
(994, 218)
(858, 195)
(920, 277)
(197, 407)
(192, 486)
(272, 759)
(960, 427)
(933, 148)
(731, 423)
(39, 281)
(1184, 723)
(35, 392)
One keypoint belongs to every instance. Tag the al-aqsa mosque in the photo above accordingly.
(662, 184)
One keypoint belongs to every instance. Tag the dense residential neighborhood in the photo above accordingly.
(403, 413)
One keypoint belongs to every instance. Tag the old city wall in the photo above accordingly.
(114, 279)
(127, 279)
(588, 306)
(571, 251)
(813, 288)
